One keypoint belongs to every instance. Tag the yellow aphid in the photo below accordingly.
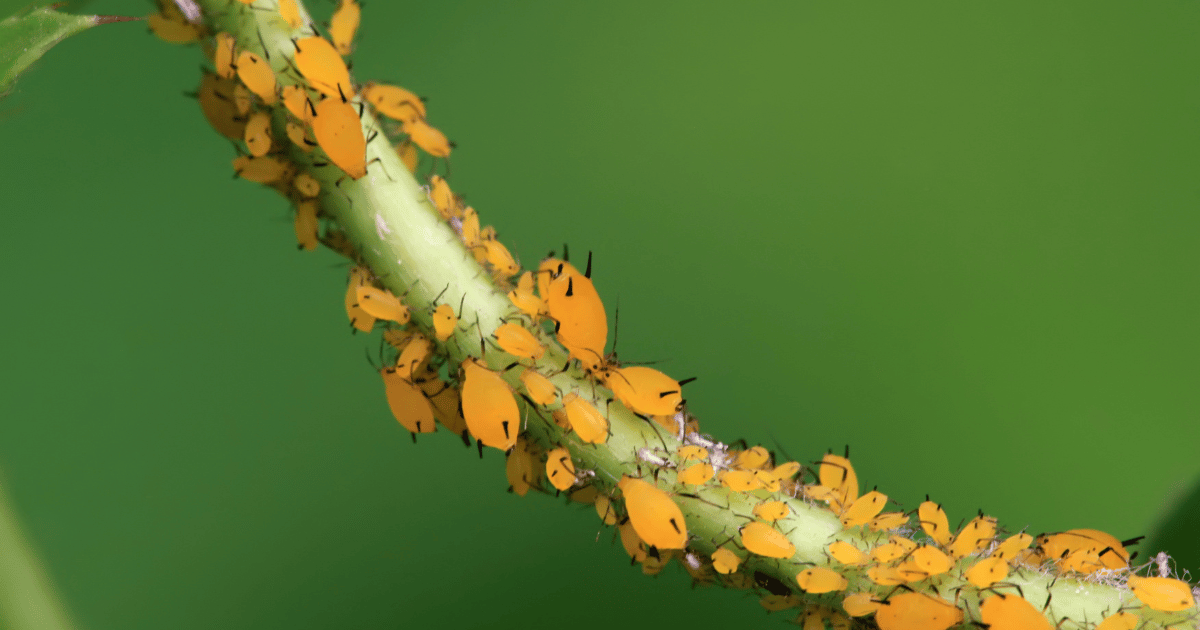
(258, 133)
(924, 562)
(173, 30)
(847, 553)
(306, 224)
(470, 235)
(429, 139)
(771, 511)
(888, 521)
(290, 13)
(408, 403)
(631, 542)
(498, 256)
(522, 467)
(987, 571)
(836, 472)
(488, 406)
(339, 133)
(344, 24)
(864, 509)
(1012, 546)
(934, 522)
(306, 185)
(394, 102)
(762, 539)
(1162, 593)
(243, 98)
(560, 470)
(1120, 621)
(888, 552)
(1105, 548)
(257, 75)
(299, 137)
(217, 102)
(692, 452)
(976, 536)
(414, 348)
(295, 99)
(821, 580)
(585, 419)
(647, 391)
(264, 170)
(605, 509)
(775, 603)
(539, 388)
(656, 518)
(786, 470)
(574, 304)
(444, 321)
(523, 296)
(408, 155)
(725, 561)
(886, 576)
(739, 480)
(359, 319)
(916, 611)
(382, 304)
(755, 457)
(323, 68)
(223, 48)
(443, 198)
(519, 342)
(860, 604)
(446, 410)
(696, 475)
(1010, 612)
(766, 480)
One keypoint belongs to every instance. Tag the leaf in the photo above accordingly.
(1175, 532)
(26, 35)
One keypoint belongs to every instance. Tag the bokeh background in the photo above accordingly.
(960, 237)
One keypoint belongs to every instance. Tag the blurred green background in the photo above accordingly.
(960, 237)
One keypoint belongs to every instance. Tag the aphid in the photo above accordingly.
(934, 522)
(215, 96)
(339, 133)
(754, 457)
(604, 509)
(382, 304)
(656, 518)
(243, 98)
(573, 302)
(776, 603)
(916, 611)
(987, 571)
(560, 470)
(725, 561)
(692, 452)
(408, 155)
(408, 403)
(258, 133)
(538, 387)
(924, 562)
(1106, 550)
(1119, 621)
(359, 318)
(488, 406)
(1010, 612)
(886, 576)
(1162, 593)
(223, 48)
(631, 542)
(295, 99)
(864, 509)
(290, 13)
(697, 474)
(522, 468)
(444, 321)
(771, 511)
(498, 256)
(306, 185)
(647, 391)
(394, 102)
(306, 224)
(428, 138)
(976, 536)
(836, 473)
(446, 408)
(762, 539)
(888, 521)
(322, 67)
(173, 30)
(860, 604)
(522, 297)
(257, 75)
(585, 419)
(344, 24)
(739, 480)
(1012, 546)
(766, 480)
(821, 580)
(264, 170)
(847, 553)
(443, 198)
(895, 548)
(299, 137)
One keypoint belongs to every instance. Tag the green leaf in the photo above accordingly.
(26, 35)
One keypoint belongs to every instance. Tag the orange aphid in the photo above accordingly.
(772, 511)
(976, 536)
(864, 509)
(519, 342)
(322, 67)
(560, 470)
(847, 553)
(647, 391)
(836, 473)
(430, 140)
(394, 102)
(886, 576)
(295, 99)
(739, 480)
(256, 74)
(1120, 621)
(1084, 550)
(860, 604)
(290, 12)
(604, 508)
(522, 297)
(725, 561)
(306, 224)
(925, 561)
(751, 458)
(488, 406)
(263, 170)
(697, 474)
(498, 256)
(444, 322)
(382, 304)
(916, 611)
(656, 518)
(1010, 612)
(443, 198)
(1012, 546)
(888, 521)
(987, 571)
(339, 133)
(258, 133)
(1162, 593)
(408, 403)
(359, 319)
(631, 542)
(538, 387)
(522, 467)
(306, 185)
(821, 580)
(408, 155)
(692, 452)
(344, 24)
(216, 98)
(585, 419)
(762, 539)
(223, 48)
(173, 29)
(934, 522)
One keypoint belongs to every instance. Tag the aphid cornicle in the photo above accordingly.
(338, 131)
(322, 67)
(488, 406)
(656, 518)
(256, 74)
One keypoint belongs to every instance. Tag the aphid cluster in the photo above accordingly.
(896, 570)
